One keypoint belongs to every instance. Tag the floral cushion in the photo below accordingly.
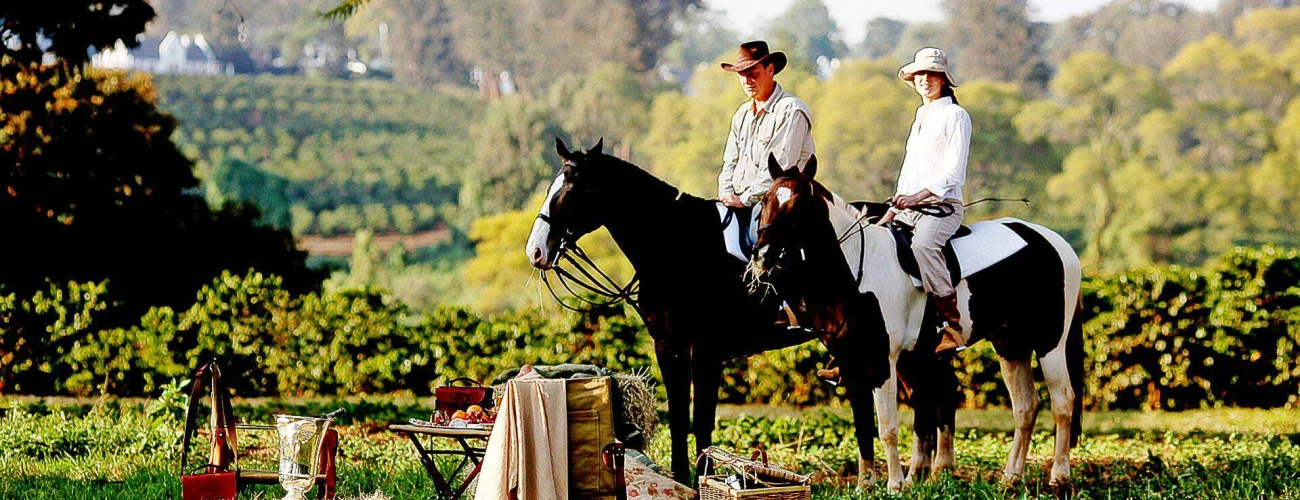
(644, 483)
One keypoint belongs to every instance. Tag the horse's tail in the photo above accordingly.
(1074, 358)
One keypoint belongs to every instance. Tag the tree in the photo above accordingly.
(806, 31)
(1213, 70)
(995, 40)
(609, 102)
(1094, 114)
(1142, 32)
(421, 38)
(1274, 184)
(72, 28)
(882, 37)
(861, 117)
(235, 180)
(91, 181)
(699, 39)
(513, 155)
(918, 35)
(1273, 28)
(536, 42)
(1001, 163)
(655, 20)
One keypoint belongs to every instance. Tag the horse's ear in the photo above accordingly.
(562, 150)
(774, 168)
(810, 169)
(595, 150)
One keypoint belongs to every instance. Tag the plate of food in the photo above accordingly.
(474, 417)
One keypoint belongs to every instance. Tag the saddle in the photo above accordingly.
(903, 241)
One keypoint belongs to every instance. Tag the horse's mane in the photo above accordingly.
(834, 201)
(645, 181)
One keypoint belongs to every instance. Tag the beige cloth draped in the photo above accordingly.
(527, 456)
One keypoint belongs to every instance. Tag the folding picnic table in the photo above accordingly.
(472, 455)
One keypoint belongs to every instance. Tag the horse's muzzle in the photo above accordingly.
(540, 258)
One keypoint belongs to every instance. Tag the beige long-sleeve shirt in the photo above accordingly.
(781, 126)
(937, 151)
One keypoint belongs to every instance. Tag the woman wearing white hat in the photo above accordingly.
(934, 169)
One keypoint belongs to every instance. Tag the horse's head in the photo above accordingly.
(793, 208)
(571, 207)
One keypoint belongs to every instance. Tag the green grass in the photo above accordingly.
(124, 454)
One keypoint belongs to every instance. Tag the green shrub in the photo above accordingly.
(1156, 338)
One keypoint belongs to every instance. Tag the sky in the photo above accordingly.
(852, 15)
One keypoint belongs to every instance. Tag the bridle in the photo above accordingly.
(594, 280)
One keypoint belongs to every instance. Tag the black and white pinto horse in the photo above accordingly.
(1025, 302)
(692, 296)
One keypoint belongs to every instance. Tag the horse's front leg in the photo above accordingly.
(707, 374)
(857, 379)
(945, 459)
(675, 368)
(917, 373)
(887, 411)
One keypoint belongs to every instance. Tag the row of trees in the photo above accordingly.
(1134, 165)
(1156, 338)
(325, 157)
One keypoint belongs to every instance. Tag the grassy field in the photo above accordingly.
(128, 451)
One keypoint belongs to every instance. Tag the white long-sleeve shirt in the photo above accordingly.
(937, 151)
(780, 127)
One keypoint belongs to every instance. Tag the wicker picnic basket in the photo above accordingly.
(751, 479)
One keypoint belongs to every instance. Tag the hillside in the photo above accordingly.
(336, 155)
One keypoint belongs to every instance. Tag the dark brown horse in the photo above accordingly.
(692, 295)
(815, 251)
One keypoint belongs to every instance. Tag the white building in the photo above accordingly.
(174, 54)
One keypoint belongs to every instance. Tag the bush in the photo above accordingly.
(1156, 338)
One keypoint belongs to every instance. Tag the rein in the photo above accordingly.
(602, 286)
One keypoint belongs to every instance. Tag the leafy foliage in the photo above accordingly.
(70, 29)
(341, 147)
(97, 190)
(1157, 338)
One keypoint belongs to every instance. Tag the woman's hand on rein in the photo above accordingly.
(908, 201)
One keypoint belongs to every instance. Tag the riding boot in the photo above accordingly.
(951, 331)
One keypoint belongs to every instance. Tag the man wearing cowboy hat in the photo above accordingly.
(771, 122)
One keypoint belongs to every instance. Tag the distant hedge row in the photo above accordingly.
(1157, 338)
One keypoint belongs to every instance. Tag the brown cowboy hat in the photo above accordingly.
(755, 52)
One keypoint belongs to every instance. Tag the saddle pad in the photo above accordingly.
(988, 243)
(731, 231)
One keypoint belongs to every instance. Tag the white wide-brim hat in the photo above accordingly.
(927, 59)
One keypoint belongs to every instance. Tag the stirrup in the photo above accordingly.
(829, 375)
(952, 341)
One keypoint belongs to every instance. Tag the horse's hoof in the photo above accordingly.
(1062, 488)
(942, 470)
(1060, 480)
(896, 486)
(1009, 480)
(866, 475)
